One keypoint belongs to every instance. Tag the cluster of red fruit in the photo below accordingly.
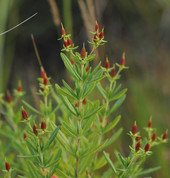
(35, 127)
(67, 40)
(98, 36)
(152, 139)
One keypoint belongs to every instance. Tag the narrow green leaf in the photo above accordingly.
(110, 162)
(117, 96)
(33, 172)
(66, 102)
(53, 163)
(69, 66)
(91, 57)
(94, 112)
(65, 93)
(148, 171)
(116, 90)
(61, 174)
(28, 156)
(51, 138)
(96, 79)
(87, 88)
(100, 162)
(68, 132)
(53, 168)
(94, 150)
(84, 163)
(94, 71)
(69, 89)
(113, 138)
(122, 159)
(30, 107)
(112, 124)
(101, 90)
(117, 104)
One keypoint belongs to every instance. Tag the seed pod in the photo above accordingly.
(63, 30)
(101, 35)
(8, 97)
(113, 72)
(150, 124)
(147, 147)
(153, 137)
(95, 39)
(87, 68)
(84, 101)
(138, 139)
(70, 42)
(25, 136)
(77, 105)
(134, 129)
(96, 27)
(83, 52)
(138, 146)
(164, 136)
(7, 166)
(122, 61)
(24, 114)
(45, 81)
(43, 74)
(107, 65)
(19, 87)
(43, 125)
(72, 62)
(65, 44)
(34, 129)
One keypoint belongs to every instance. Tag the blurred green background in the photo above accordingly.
(140, 28)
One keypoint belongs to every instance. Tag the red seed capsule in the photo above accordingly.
(101, 35)
(8, 97)
(113, 72)
(95, 39)
(150, 124)
(7, 166)
(147, 147)
(25, 136)
(83, 53)
(19, 88)
(138, 146)
(24, 114)
(70, 42)
(122, 61)
(138, 139)
(164, 136)
(153, 137)
(96, 27)
(87, 68)
(43, 74)
(66, 44)
(45, 81)
(72, 62)
(63, 31)
(84, 101)
(107, 65)
(134, 129)
(76, 105)
(34, 129)
(43, 125)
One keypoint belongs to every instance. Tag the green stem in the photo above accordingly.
(79, 125)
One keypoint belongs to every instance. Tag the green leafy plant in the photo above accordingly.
(73, 149)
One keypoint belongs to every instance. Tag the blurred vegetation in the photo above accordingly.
(140, 28)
